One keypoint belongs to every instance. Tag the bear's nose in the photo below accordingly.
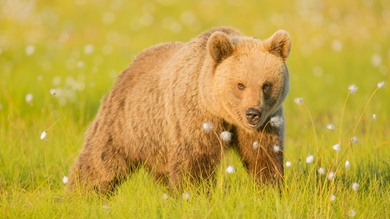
(253, 115)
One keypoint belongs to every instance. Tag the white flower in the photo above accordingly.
(165, 196)
(374, 117)
(255, 145)
(29, 98)
(298, 100)
(321, 171)
(381, 84)
(355, 186)
(336, 147)
(352, 89)
(354, 140)
(352, 213)
(80, 64)
(186, 196)
(88, 49)
(56, 80)
(331, 175)
(347, 164)
(226, 136)
(230, 170)
(376, 60)
(53, 91)
(288, 163)
(276, 121)
(330, 126)
(309, 159)
(106, 207)
(332, 197)
(30, 49)
(65, 179)
(276, 148)
(337, 45)
(208, 126)
(43, 135)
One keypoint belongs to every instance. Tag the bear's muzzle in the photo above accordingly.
(253, 117)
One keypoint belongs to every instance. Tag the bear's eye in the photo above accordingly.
(266, 87)
(241, 86)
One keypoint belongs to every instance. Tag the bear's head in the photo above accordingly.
(247, 78)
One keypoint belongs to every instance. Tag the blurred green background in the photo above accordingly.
(335, 43)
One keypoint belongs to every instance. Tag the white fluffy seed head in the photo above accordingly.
(276, 121)
(321, 171)
(65, 179)
(336, 147)
(298, 100)
(226, 136)
(331, 175)
(208, 126)
(30, 49)
(351, 213)
(29, 98)
(332, 197)
(186, 195)
(330, 126)
(43, 135)
(352, 88)
(347, 164)
(255, 145)
(354, 140)
(230, 170)
(88, 49)
(276, 148)
(53, 91)
(355, 186)
(288, 163)
(381, 84)
(309, 159)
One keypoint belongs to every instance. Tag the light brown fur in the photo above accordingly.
(155, 111)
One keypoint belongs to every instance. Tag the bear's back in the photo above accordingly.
(148, 64)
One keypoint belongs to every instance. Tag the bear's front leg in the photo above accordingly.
(192, 165)
(262, 153)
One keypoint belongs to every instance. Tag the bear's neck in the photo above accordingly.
(206, 95)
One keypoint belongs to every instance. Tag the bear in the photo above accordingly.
(181, 105)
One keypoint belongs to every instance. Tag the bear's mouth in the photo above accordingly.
(253, 125)
(253, 117)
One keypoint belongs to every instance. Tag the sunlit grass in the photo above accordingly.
(79, 47)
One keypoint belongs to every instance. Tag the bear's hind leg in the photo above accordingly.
(99, 170)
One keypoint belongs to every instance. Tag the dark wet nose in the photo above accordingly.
(253, 115)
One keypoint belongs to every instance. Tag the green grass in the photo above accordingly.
(31, 169)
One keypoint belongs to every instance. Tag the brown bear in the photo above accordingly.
(179, 106)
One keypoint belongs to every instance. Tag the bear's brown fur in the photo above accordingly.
(156, 111)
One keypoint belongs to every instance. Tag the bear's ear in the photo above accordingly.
(219, 46)
(279, 44)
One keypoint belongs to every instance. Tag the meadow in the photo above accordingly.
(58, 58)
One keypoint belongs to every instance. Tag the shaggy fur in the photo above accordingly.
(155, 112)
